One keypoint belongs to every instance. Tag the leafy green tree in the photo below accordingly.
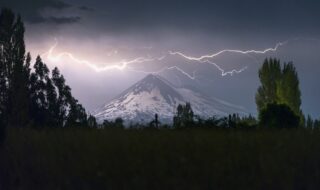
(279, 86)
(269, 74)
(288, 90)
(278, 116)
(247, 122)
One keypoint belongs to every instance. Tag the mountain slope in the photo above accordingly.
(154, 94)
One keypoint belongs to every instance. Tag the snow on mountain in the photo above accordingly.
(152, 95)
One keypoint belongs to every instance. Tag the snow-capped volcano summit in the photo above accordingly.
(153, 94)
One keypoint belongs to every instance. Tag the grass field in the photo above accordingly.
(160, 159)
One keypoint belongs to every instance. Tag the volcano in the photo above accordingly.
(154, 94)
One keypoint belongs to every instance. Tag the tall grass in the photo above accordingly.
(160, 159)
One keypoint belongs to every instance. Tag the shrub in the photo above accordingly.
(278, 116)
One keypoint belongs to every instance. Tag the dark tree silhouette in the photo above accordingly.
(39, 101)
(118, 122)
(31, 98)
(62, 96)
(278, 116)
(14, 70)
(155, 123)
(77, 116)
(92, 122)
(184, 116)
(316, 124)
(309, 122)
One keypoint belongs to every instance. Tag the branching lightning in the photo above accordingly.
(223, 72)
(122, 65)
(229, 51)
(205, 58)
(119, 66)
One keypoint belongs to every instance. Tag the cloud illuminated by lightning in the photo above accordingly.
(192, 77)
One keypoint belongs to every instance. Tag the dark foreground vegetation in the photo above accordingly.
(160, 159)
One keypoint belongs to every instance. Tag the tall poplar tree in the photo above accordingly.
(288, 90)
(31, 98)
(269, 74)
(13, 70)
(279, 85)
(7, 19)
(18, 92)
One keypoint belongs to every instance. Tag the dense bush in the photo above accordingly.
(278, 116)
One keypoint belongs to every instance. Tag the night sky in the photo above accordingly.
(110, 44)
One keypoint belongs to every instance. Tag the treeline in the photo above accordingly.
(34, 97)
(273, 116)
(278, 100)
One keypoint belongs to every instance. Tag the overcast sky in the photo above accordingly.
(107, 32)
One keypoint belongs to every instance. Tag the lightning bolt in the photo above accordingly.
(223, 72)
(122, 65)
(205, 58)
(119, 66)
(229, 51)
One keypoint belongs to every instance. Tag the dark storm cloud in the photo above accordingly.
(35, 5)
(217, 15)
(62, 20)
(31, 10)
(193, 15)
(54, 4)
(230, 17)
(85, 8)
